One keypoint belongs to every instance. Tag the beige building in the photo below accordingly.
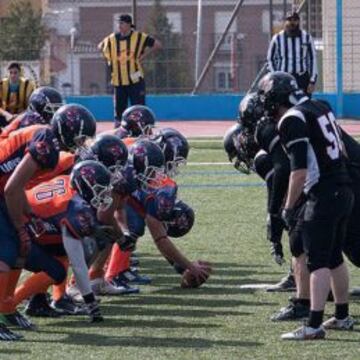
(234, 68)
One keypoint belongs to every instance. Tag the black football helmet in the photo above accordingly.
(175, 148)
(138, 120)
(149, 163)
(45, 101)
(182, 220)
(278, 88)
(92, 180)
(241, 148)
(250, 111)
(110, 151)
(73, 124)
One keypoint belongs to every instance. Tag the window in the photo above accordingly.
(221, 20)
(174, 19)
(223, 79)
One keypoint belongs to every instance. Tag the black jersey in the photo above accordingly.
(267, 136)
(312, 139)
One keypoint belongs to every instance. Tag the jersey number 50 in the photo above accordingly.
(330, 131)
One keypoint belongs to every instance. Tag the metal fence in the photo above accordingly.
(71, 61)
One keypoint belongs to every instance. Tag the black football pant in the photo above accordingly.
(122, 94)
(326, 216)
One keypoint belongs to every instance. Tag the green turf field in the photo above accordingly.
(217, 321)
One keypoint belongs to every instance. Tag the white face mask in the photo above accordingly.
(102, 199)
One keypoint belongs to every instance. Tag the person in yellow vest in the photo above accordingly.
(15, 91)
(124, 51)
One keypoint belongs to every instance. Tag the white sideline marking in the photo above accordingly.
(207, 163)
(255, 286)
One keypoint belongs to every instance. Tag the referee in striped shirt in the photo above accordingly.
(124, 51)
(292, 50)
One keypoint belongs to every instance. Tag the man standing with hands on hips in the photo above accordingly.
(292, 50)
(124, 51)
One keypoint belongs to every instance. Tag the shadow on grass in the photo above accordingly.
(13, 352)
(116, 309)
(130, 323)
(178, 301)
(185, 301)
(78, 338)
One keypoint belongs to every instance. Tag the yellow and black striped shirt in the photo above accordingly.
(122, 54)
(15, 102)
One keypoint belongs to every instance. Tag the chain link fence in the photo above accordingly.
(71, 61)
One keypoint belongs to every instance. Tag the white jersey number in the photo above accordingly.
(330, 131)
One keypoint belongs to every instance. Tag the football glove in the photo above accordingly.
(128, 241)
(106, 234)
(289, 218)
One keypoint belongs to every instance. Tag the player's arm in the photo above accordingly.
(280, 179)
(170, 251)
(151, 45)
(14, 190)
(294, 137)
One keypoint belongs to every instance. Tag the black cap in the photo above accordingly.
(292, 15)
(125, 18)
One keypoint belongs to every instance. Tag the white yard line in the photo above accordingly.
(207, 163)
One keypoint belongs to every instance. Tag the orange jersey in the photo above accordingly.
(37, 140)
(64, 166)
(27, 118)
(57, 204)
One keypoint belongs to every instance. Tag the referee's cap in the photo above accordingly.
(292, 15)
(126, 18)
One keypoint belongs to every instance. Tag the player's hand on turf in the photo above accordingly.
(277, 253)
(25, 238)
(94, 312)
(200, 270)
(128, 241)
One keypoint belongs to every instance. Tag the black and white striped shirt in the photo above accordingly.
(293, 54)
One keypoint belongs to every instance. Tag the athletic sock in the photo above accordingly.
(119, 262)
(315, 318)
(304, 302)
(341, 311)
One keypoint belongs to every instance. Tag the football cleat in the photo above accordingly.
(130, 276)
(102, 287)
(8, 335)
(134, 261)
(67, 306)
(127, 288)
(355, 291)
(17, 319)
(305, 333)
(294, 311)
(287, 283)
(38, 306)
(74, 293)
(336, 324)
